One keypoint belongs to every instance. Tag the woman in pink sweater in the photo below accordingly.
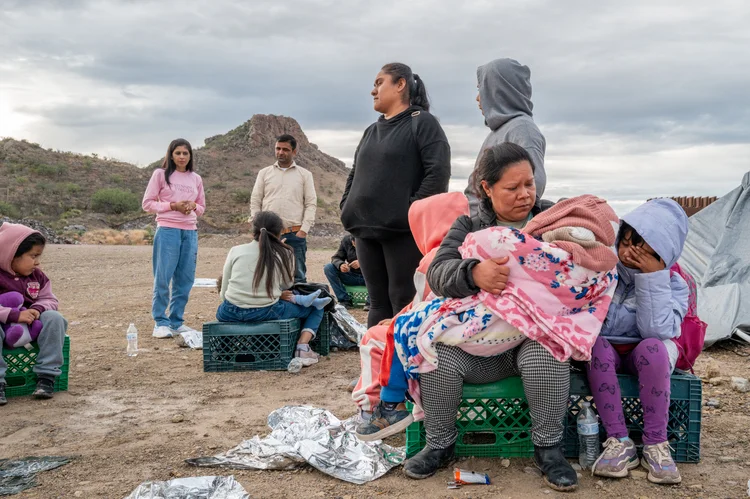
(175, 194)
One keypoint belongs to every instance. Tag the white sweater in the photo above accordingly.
(238, 276)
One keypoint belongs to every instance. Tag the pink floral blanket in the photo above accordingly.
(548, 299)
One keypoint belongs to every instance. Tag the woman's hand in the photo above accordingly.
(385, 322)
(491, 275)
(287, 295)
(182, 206)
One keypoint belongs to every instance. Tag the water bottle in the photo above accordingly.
(295, 365)
(588, 436)
(132, 337)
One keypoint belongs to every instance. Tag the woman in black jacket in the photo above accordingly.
(505, 184)
(402, 157)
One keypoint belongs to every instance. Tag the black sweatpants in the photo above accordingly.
(388, 266)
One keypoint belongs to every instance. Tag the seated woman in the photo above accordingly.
(255, 275)
(505, 182)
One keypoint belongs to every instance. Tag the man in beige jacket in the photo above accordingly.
(288, 190)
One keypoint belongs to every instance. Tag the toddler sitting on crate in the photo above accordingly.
(22, 281)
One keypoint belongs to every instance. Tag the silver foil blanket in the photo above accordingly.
(308, 435)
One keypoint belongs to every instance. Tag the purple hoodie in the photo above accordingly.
(36, 288)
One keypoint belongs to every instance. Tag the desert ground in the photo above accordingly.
(117, 417)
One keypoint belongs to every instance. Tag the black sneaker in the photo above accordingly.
(45, 388)
(3, 400)
(387, 419)
(558, 473)
(427, 462)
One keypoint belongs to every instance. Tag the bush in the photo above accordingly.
(8, 210)
(115, 201)
(242, 196)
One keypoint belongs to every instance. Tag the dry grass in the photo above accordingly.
(116, 237)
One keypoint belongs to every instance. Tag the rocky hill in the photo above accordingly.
(63, 189)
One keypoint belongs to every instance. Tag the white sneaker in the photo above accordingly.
(162, 332)
(183, 329)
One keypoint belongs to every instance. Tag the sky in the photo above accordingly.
(636, 99)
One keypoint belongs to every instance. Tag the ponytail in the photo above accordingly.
(416, 93)
(273, 256)
(418, 96)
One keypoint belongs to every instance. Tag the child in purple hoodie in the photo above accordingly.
(20, 252)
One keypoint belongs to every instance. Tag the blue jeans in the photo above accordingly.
(174, 260)
(299, 245)
(280, 310)
(339, 279)
(395, 391)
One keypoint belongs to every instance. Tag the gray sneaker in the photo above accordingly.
(618, 458)
(387, 420)
(657, 459)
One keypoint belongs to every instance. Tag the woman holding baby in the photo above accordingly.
(505, 183)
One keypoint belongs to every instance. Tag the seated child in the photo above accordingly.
(253, 281)
(380, 391)
(20, 252)
(646, 313)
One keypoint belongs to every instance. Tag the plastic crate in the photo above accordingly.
(493, 420)
(683, 427)
(322, 341)
(358, 295)
(263, 346)
(20, 377)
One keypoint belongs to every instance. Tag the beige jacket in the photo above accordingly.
(289, 193)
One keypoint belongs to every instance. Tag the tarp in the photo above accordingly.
(717, 255)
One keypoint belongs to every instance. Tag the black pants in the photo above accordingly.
(388, 266)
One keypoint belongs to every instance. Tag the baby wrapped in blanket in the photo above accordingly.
(562, 278)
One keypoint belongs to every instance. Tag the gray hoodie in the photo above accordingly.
(505, 95)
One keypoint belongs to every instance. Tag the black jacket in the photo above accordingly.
(397, 162)
(346, 253)
(449, 275)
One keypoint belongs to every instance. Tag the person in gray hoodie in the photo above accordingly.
(505, 101)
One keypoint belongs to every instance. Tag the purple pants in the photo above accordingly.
(650, 362)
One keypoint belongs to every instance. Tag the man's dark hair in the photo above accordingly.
(35, 239)
(288, 138)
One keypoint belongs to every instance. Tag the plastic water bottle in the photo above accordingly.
(132, 337)
(295, 365)
(588, 436)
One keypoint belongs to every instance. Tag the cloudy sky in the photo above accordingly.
(637, 99)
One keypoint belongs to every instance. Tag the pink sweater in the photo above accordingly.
(185, 186)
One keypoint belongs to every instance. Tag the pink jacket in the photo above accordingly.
(36, 288)
(185, 186)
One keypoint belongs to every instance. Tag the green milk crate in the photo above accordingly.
(494, 420)
(358, 294)
(262, 346)
(20, 378)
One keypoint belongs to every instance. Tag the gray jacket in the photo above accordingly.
(505, 95)
(450, 275)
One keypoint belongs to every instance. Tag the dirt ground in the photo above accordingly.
(117, 415)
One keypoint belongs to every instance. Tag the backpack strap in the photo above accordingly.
(414, 124)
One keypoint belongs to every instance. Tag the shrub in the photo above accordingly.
(8, 210)
(115, 201)
(242, 196)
